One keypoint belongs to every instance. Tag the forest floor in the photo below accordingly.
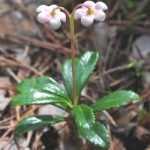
(30, 49)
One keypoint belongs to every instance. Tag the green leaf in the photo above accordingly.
(36, 122)
(84, 68)
(96, 134)
(115, 99)
(84, 116)
(41, 90)
(92, 131)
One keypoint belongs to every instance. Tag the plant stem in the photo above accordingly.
(71, 23)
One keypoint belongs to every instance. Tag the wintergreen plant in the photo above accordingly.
(76, 72)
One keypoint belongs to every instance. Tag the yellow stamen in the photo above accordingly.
(52, 13)
(90, 11)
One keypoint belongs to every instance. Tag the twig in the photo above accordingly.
(20, 39)
(119, 81)
(139, 9)
(114, 9)
(13, 74)
(17, 63)
(110, 118)
(119, 68)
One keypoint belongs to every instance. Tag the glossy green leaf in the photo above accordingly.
(96, 134)
(36, 122)
(84, 116)
(115, 99)
(92, 131)
(84, 68)
(41, 90)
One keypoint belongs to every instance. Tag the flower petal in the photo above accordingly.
(43, 18)
(89, 3)
(55, 23)
(42, 8)
(62, 16)
(79, 13)
(101, 5)
(99, 15)
(87, 20)
(51, 7)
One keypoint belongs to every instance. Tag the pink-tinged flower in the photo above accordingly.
(51, 15)
(89, 12)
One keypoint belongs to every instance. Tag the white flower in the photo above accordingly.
(47, 14)
(93, 11)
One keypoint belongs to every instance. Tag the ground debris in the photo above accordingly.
(29, 49)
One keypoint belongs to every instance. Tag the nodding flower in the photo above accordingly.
(89, 12)
(51, 15)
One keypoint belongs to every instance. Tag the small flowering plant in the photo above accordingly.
(76, 72)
